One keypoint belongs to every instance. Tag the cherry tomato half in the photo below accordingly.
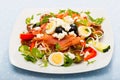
(26, 36)
(92, 53)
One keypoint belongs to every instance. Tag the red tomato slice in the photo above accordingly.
(92, 53)
(26, 36)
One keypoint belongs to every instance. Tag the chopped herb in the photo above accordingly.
(57, 46)
(61, 11)
(67, 61)
(28, 20)
(90, 62)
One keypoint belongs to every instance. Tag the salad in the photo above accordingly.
(62, 38)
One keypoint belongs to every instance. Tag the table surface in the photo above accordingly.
(9, 11)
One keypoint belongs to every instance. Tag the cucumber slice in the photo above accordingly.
(101, 47)
(90, 40)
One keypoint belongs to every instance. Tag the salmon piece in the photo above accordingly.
(65, 43)
(69, 41)
(48, 39)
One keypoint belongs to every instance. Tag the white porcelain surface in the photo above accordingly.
(102, 59)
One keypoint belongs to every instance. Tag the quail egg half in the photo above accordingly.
(56, 58)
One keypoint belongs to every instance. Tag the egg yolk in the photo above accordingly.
(57, 58)
(49, 26)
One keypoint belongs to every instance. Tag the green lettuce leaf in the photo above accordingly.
(37, 53)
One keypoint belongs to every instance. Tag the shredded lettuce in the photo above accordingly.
(37, 53)
(45, 19)
(29, 58)
(52, 14)
(97, 21)
(70, 12)
(28, 20)
(61, 11)
(88, 14)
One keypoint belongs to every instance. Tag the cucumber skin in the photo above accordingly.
(103, 50)
(106, 49)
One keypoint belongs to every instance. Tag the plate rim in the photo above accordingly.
(21, 67)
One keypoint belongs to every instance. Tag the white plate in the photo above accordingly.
(102, 59)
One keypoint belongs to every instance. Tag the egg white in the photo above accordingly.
(60, 36)
(82, 33)
(68, 19)
(50, 27)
